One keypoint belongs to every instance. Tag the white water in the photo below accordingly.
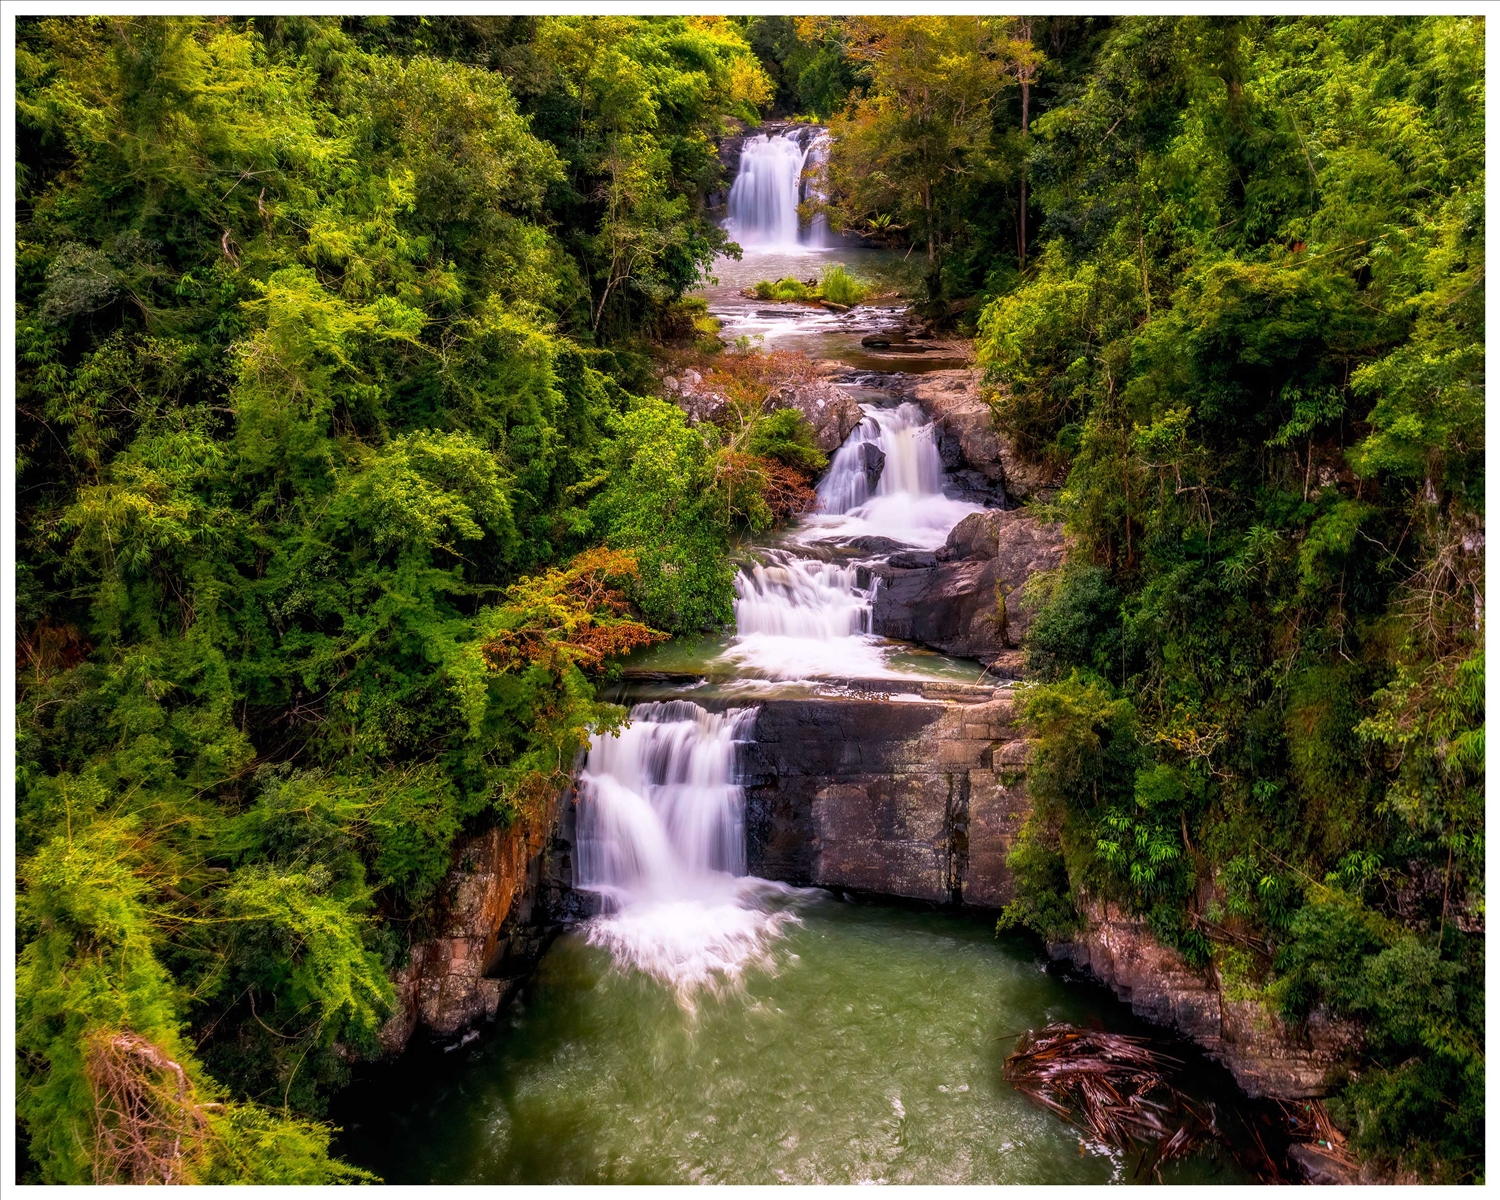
(908, 505)
(661, 826)
(800, 618)
(775, 174)
(661, 838)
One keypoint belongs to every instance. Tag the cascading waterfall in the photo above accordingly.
(773, 178)
(800, 618)
(661, 838)
(907, 505)
(814, 188)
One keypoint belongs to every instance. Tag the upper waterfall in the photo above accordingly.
(776, 174)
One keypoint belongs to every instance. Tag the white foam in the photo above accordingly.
(661, 839)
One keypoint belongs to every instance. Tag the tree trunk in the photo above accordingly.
(1025, 76)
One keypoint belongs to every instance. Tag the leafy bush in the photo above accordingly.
(786, 436)
(837, 285)
(785, 288)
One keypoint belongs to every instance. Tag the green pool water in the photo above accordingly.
(869, 1050)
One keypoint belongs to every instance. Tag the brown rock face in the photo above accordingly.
(508, 894)
(969, 602)
(921, 800)
(968, 440)
(830, 410)
(1266, 1056)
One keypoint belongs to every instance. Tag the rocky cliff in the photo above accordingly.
(976, 453)
(510, 892)
(829, 408)
(1266, 1055)
(919, 797)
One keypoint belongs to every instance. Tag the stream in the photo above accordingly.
(712, 1027)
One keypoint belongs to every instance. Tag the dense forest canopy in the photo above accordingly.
(341, 481)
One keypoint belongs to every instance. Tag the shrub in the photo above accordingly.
(786, 436)
(840, 287)
(785, 288)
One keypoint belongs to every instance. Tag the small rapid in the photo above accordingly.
(661, 841)
(907, 505)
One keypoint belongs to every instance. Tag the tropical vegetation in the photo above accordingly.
(342, 481)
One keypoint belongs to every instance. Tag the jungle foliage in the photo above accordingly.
(339, 486)
(1252, 340)
(336, 496)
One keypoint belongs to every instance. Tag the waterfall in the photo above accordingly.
(799, 618)
(814, 188)
(802, 618)
(770, 183)
(908, 504)
(661, 838)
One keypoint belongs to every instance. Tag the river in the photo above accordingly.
(711, 1027)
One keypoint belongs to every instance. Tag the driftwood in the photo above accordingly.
(1116, 1088)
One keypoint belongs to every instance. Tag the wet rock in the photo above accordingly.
(873, 458)
(971, 447)
(508, 895)
(911, 559)
(1322, 1165)
(833, 307)
(968, 601)
(921, 800)
(871, 544)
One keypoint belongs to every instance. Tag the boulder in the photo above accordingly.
(1324, 1165)
(874, 461)
(912, 558)
(830, 410)
(967, 602)
(872, 544)
(976, 454)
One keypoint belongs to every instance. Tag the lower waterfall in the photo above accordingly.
(661, 839)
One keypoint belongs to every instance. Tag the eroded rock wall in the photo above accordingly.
(918, 798)
(509, 893)
(974, 451)
(1266, 1055)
